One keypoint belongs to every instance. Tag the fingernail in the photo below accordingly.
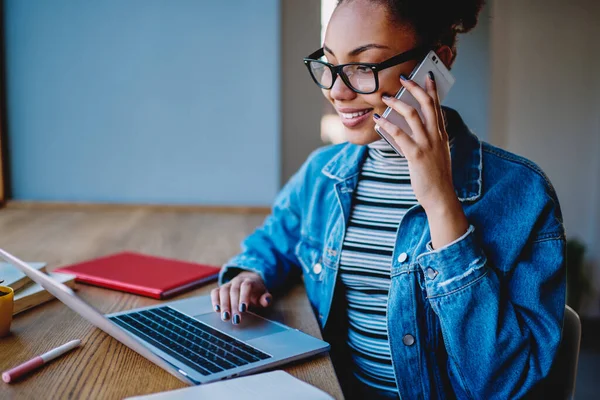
(431, 76)
(217, 308)
(243, 307)
(236, 319)
(404, 78)
(386, 97)
(225, 316)
(268, 300)
(376, 116)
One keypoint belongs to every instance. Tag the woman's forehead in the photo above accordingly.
(359, 23)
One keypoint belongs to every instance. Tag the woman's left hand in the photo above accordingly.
(427, 151)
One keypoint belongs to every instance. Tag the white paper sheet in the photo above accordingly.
(272, 385)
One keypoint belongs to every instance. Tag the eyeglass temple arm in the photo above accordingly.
(414, 54)
(316, 55)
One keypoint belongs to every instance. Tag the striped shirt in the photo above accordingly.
(383, 195)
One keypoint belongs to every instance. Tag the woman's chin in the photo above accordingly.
(362, 136)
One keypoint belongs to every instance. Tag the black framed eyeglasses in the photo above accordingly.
(360, 77)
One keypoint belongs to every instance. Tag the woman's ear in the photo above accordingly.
(446, 55)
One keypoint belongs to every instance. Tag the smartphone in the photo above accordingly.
(444, 81)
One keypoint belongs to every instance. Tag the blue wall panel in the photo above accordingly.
(151, 101)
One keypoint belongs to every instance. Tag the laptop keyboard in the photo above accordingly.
(193, 343)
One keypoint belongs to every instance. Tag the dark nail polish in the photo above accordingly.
(376, 116)
(217, 308)
(268, 300)
(431, 76)
(236, 319)
(225, 316)
(404, 78)
(243, 307)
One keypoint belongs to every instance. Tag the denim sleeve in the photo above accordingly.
(501, 334)
(270, 249)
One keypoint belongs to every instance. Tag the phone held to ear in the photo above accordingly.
(444, 81)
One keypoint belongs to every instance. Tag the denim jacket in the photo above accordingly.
(479, 318)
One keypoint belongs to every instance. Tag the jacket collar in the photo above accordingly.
(466, 156)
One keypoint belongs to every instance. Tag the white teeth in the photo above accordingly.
(353, 115)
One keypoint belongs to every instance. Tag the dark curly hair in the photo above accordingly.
(435, 22)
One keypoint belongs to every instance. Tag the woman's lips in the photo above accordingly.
(352, 118)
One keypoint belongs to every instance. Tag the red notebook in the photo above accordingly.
(141, 274)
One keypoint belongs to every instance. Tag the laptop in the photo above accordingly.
(187, 338)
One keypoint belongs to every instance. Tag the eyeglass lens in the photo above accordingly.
(322, 74)
(360, 77)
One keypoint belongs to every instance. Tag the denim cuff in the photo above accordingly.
(454, 266)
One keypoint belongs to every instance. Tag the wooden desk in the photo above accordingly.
(103, 368)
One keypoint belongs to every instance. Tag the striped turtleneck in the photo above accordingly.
(382, 197)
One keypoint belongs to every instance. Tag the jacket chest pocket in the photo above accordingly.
(311, 259)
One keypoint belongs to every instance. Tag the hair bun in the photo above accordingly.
(465, 13)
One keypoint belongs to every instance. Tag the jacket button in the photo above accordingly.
(408, 340)
(317, 268)
(431, 273)
(402, 257)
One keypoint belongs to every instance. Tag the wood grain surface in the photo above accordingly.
(103, 368)
(81, 206)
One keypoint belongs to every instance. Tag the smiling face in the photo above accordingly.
(360, 31)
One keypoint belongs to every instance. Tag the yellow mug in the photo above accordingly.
(6, 309)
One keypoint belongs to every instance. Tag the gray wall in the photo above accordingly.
(471, 92)
(301, 100)
(546, 102)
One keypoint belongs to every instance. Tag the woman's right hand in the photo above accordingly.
(234, 297)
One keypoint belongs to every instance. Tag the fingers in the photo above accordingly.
(266, 299)
(246, 296)
(234, 298)
(425, 101)
(433, 93)
(234, 301)
(256, 293)
(403, 140)
(412, 117)
(225, 302)
(214, 298)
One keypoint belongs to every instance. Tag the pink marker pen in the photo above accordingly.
(36, 362)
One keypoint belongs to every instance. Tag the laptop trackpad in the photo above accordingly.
(251, 326)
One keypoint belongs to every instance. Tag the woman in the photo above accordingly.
(435, 275)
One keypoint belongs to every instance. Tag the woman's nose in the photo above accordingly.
(340, 91)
